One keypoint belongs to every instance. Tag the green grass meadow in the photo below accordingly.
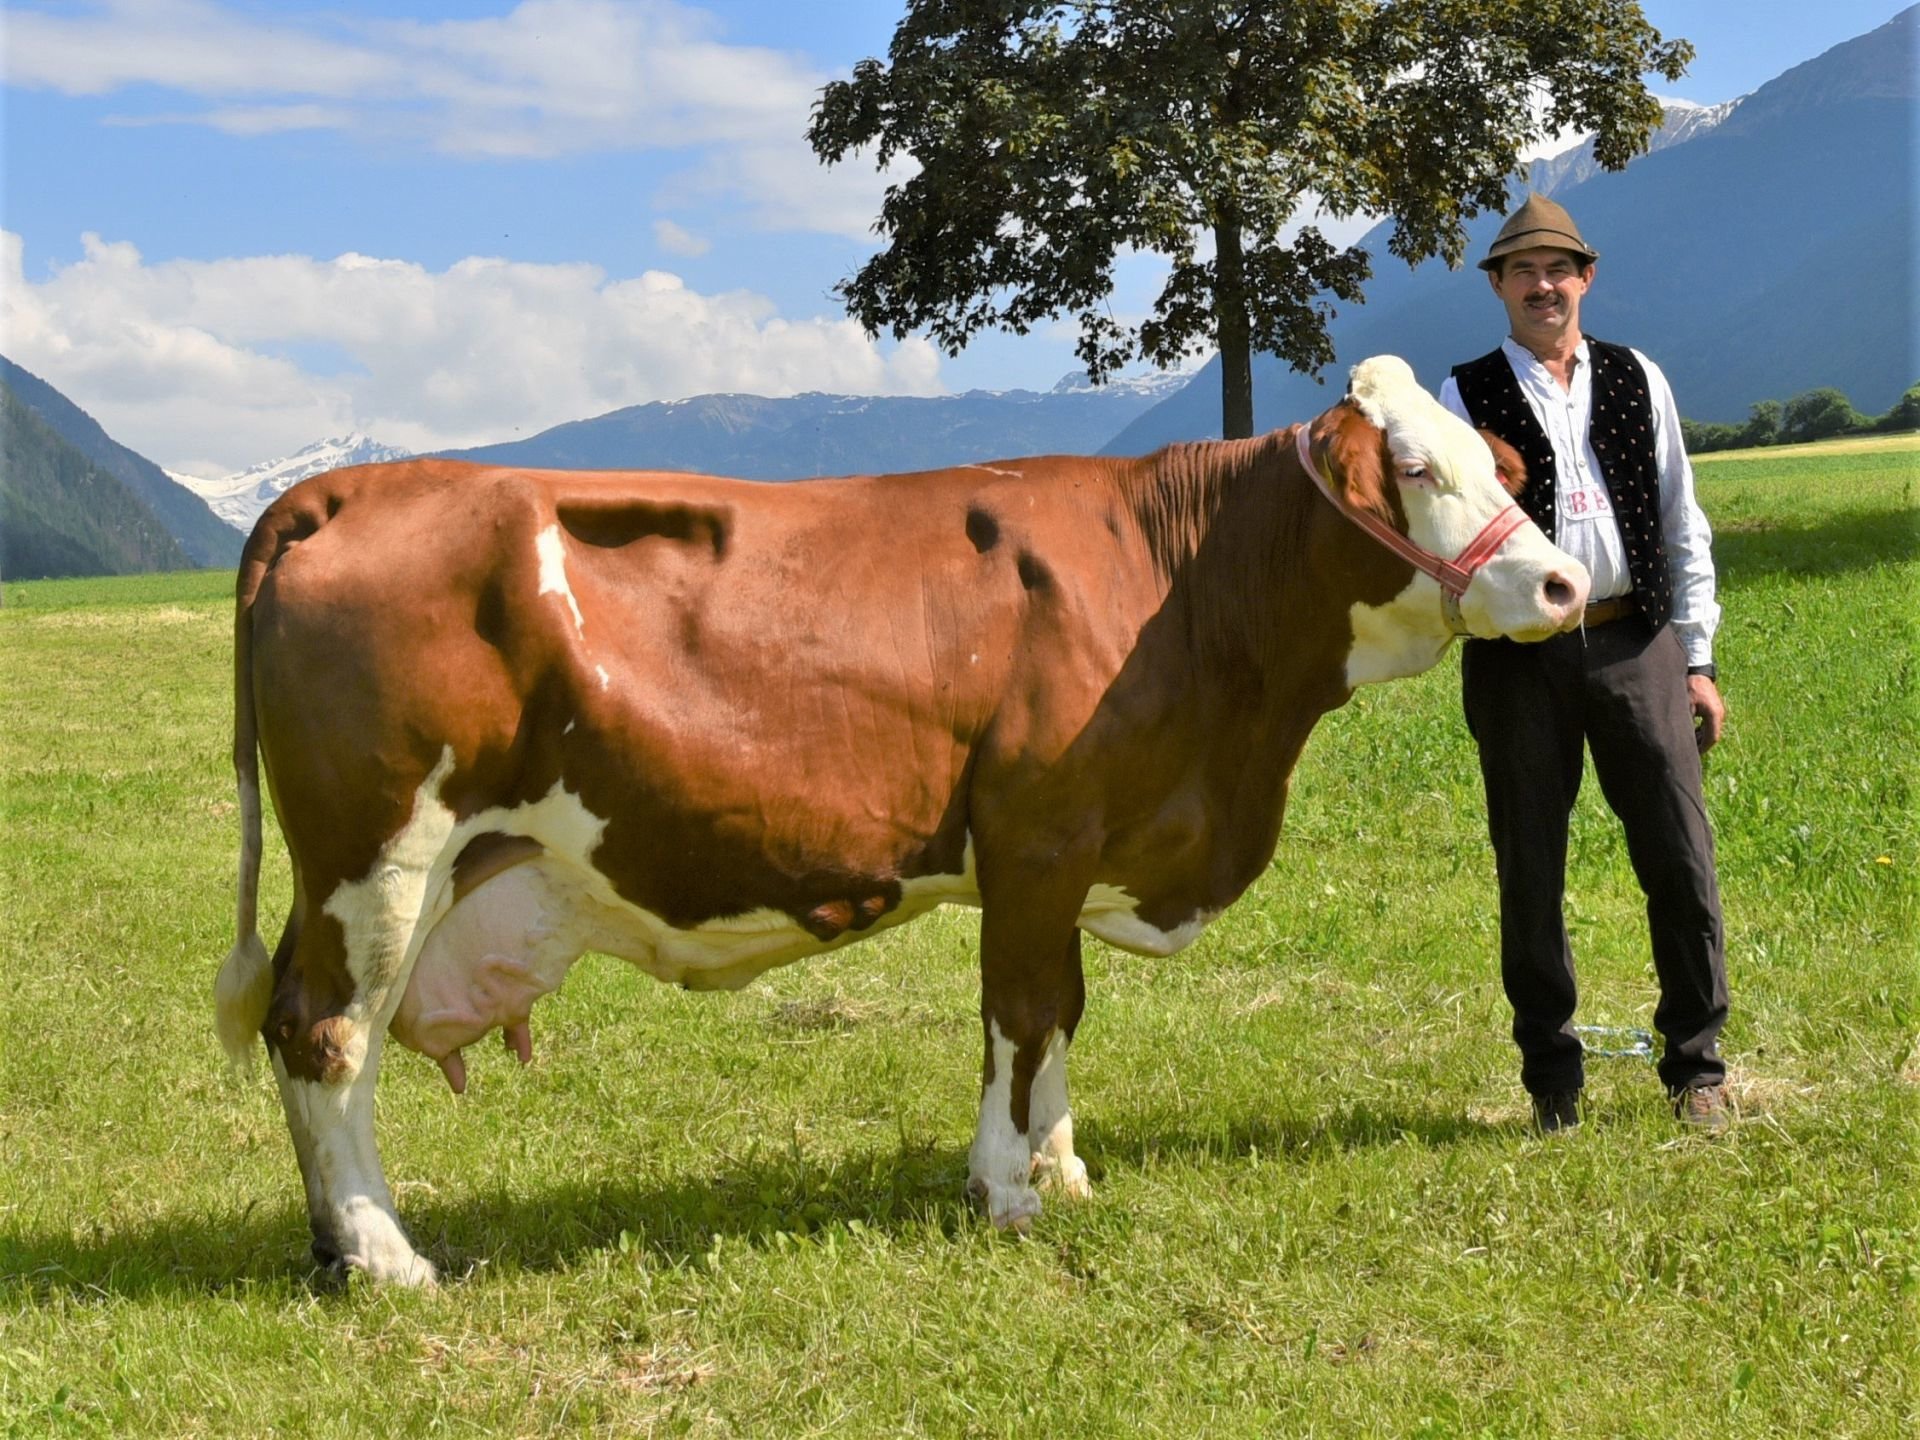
(1319, 1210)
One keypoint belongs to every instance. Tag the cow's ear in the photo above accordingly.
(1507, 464)
(1353, 454)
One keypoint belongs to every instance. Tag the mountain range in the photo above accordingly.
(1732, 252)
(757, 438)
(813, 434)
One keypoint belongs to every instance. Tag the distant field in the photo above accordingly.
(117, 591)
(1891, 447)
(1319, 1211)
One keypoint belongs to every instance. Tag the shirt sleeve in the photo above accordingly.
(1450, 397)
(1683, 526)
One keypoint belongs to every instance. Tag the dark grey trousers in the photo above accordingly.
(1622, 692)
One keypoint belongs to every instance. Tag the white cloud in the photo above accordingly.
(544, 78)
(95, 47)
(678, 240)
(245, 120)
(209, 366)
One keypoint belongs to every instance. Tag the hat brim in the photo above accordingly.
(1538, 240)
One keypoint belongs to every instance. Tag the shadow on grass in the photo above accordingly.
(1141, 1140)
(911, 1189)
(1748, 549)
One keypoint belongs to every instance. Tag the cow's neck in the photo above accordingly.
(1258, 578)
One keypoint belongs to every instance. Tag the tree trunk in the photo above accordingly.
(1231, 330)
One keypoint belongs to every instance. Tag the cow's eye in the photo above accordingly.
(1415, 472)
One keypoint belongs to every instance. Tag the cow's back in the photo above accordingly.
(764, 690)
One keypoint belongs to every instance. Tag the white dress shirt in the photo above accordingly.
(1585, 527)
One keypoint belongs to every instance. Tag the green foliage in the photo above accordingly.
(1762, 427)
(1702, 436)
(1905, 413)
(1053, 136)
(1318, 1211)
(1819, 415)
(60, 515)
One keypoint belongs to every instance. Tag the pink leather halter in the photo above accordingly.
(1453, 575)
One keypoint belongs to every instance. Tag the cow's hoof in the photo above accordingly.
(1009, 1207)
(387, 1259)
(385, 1254)
(417, 1272)
(1067, 1178)
(413, 1271)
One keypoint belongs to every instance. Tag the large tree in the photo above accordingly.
(1053, 137)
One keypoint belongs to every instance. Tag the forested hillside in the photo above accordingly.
(62, 515)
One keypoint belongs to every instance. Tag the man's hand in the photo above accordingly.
(1709, 711)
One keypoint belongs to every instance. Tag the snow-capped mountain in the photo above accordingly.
(1156, 385)
(239, 499)
(1682, 120)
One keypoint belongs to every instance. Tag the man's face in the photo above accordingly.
(1542, 290)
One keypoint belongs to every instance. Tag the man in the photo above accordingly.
(1608, 481)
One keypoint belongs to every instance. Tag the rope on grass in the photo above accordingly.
(1613, 1042)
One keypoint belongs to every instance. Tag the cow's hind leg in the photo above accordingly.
(1031, 997)
(332, 1000)
(349, 1207)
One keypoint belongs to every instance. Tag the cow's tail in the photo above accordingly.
(244, 987)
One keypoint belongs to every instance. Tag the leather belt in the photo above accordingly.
(1603, 612)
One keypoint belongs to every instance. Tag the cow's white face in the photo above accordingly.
(1445, 477)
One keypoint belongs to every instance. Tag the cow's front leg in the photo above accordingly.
(999, 1164)
(1032, 994)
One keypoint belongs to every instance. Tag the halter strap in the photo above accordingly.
(1453, 575)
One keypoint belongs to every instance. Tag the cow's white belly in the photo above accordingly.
(487, 957)
(513, 939)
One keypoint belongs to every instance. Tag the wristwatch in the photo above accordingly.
(1706, 670)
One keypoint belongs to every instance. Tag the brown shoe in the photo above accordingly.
(1703, 1108)
(1556, 1112)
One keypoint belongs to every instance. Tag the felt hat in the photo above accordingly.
(1539, 222)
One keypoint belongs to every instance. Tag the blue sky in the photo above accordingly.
(233, 228)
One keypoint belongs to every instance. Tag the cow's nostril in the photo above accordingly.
(1559, 592)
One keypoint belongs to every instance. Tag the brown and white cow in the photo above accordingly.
(713, 726)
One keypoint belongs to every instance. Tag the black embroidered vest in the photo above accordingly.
(1621, 429)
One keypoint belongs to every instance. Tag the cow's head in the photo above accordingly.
(1392, 450)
